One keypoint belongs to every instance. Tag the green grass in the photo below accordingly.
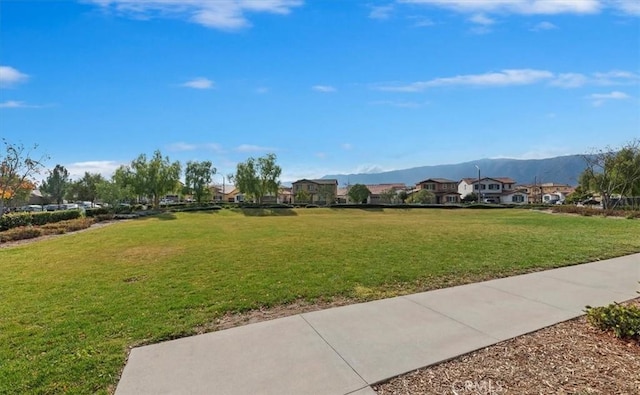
(71, 306)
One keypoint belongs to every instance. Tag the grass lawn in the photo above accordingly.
(71, 306)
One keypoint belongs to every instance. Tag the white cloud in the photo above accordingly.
(615, 77)
(12, 104)
(526, 7)
(10, 76)
(502, 78)
(597, 99)
(182, 146)
(631, 7)
(368, 169)
(106, 168)
(21, 104)
(199, 83)
(321, 155)
(346, 146)
(381, 12)
(542, 26)
(217, 14)
(253, 148)
(482, 19)
(569, 80)
(324, 88)
(513, 77)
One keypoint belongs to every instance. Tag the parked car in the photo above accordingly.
(31, 208)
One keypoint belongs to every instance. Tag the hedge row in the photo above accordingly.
(590, 211)
(14, 220)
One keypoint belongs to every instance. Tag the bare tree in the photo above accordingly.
(17, 172)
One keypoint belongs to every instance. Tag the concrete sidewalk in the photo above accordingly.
(346, 349)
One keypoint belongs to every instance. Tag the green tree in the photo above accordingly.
(326, 193)
(85, 189)
(151, 178)
(469, 198)
(18, 169)
(612, 172)
(258, 178)
(422, 197)
(112, 193)
(403, 195)
(303, 196)
(56, 184)
(198, 177)
(359, 193)
(388, 195)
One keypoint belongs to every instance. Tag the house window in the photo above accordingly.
(451, 199)
(429, 187)
(494, 186)
(517, 199)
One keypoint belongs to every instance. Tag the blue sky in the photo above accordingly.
(328, 86)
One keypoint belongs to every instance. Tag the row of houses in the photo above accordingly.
(323, 191)
(502, 190)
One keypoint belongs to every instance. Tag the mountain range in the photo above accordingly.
(560, 169)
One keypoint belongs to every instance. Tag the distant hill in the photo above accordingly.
(561, 169)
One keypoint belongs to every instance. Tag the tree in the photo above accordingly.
(403, 195)
(469, 198)
(612, 172)
(85, 189)
(258, 178)
(388, 195)
(112, 193)
(17, 171)
(303, 196)
(423, 196)
(152, 178)
(359, 193)
(56, 184)
(326, 193)
(198, 177)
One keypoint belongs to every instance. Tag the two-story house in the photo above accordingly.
(445, 191)
(319, 191)
(493, 190)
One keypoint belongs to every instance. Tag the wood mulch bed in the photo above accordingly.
(568, 358)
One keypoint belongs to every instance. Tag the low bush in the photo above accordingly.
(623, 320)
(54, 228)
(590, 211)
(19, 233)
(67, 226)
(10, 221)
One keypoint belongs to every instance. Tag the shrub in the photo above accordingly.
(67, 226)
(94, 212)
(10, 221)
(623, 320)
(19, 233)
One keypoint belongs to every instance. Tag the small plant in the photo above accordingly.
(623, 320)
(19, 233)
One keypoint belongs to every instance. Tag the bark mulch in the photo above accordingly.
(568, 358)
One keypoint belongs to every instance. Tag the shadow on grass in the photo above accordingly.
(363, 208)
(266, 212)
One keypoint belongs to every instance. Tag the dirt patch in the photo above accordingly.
(231, 320)
(568, 358)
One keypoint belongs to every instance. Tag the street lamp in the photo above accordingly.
(479, 195)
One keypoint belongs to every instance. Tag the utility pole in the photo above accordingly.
(479, 194)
